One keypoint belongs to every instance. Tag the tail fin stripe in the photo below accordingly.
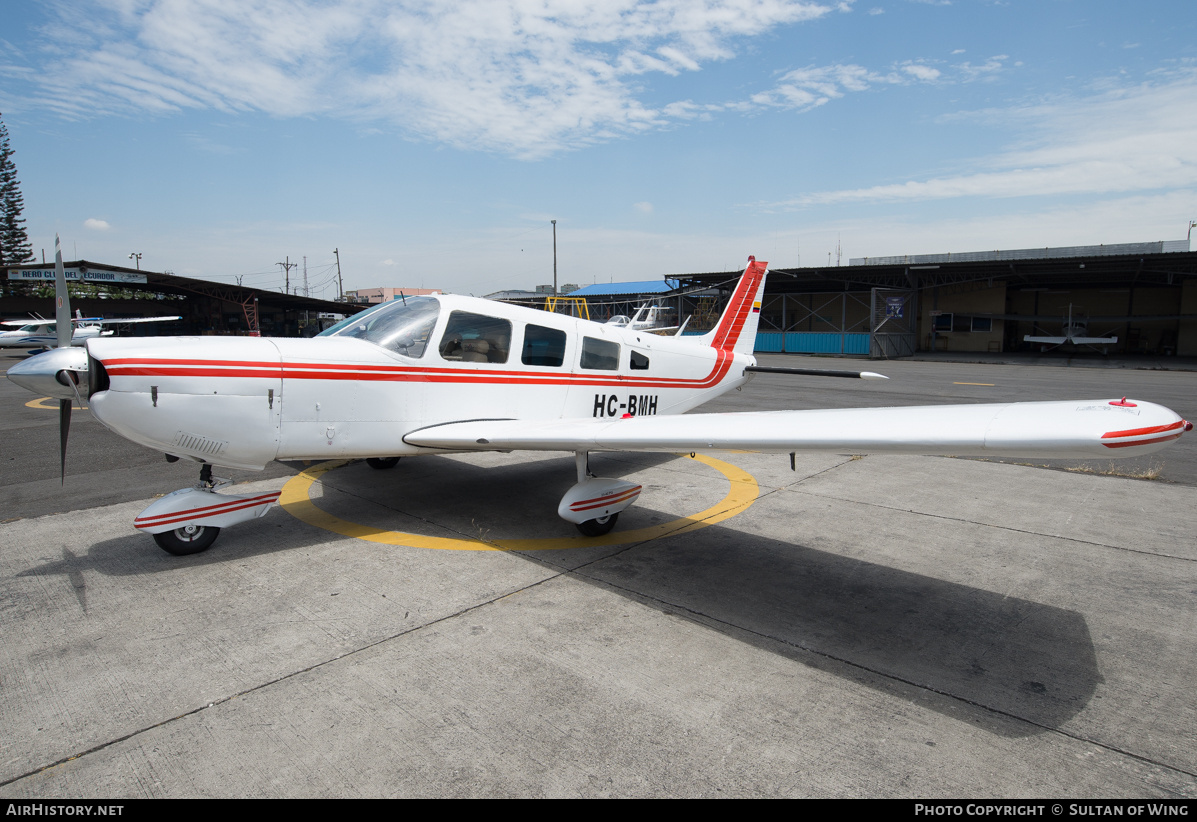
(739, 306)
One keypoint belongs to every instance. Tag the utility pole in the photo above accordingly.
(340, 290)
(287, 266)
(554, 257)
(305, 275)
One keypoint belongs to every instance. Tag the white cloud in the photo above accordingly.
(816, 85)
(1128, 139)
(991, 66)
(518, 77)
(921, 72)
(96, 225)
(813, 86)
(643, 207)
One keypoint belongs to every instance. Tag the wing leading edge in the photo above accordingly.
(1057, 430)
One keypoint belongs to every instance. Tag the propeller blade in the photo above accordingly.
(62, 308)
(64, 428)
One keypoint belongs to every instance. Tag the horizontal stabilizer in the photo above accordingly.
(814, 372)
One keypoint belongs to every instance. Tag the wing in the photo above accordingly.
(23, 323)
(1057, 430)
(123, 321)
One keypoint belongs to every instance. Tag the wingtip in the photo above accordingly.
(872, 375)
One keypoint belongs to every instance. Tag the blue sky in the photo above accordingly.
(432, 142)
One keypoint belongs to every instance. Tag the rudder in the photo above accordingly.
(736, 330)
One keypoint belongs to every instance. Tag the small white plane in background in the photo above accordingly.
(1076, 332)
(647, 318)
(446, 374)
(41, 334)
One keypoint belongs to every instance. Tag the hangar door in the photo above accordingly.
(892, 323)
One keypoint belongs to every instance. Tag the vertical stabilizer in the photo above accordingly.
(736, 330)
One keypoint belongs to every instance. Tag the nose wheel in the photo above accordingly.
(190, 539)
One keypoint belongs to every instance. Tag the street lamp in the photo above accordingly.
(554, 222)
(136, 257)
(1192, 225)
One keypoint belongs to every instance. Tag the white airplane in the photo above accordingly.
(448, 373)
(43, 334)
(646, 318)
(1076, 332)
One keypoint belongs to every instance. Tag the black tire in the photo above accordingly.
(382, 463)
(598, 527)
(190, 539)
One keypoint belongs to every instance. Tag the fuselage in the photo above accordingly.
(358, 390)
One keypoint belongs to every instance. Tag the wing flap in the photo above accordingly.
(1057, 430)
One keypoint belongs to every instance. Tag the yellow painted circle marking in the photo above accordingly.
(40, 403)
(296, 500)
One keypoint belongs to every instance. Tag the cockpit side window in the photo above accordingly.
(403, 325)
(543, 346)
(599, 355)
(473, 337)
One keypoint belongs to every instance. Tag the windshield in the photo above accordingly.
(403, 326)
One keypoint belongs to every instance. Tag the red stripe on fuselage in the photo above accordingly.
(137, 367)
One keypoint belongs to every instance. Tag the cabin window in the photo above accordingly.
(543, 346)
(475, 338)
(639, 361)
(403, 325)
(600, 355)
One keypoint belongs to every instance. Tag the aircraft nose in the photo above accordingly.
(55, 373)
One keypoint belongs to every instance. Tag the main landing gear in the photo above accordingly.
(189, 520)
(594, 503)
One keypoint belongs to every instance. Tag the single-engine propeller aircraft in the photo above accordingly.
(448, 373)
(1075, 332)
(647, 318)
(42, 334)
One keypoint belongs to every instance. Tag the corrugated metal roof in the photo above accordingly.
(617, 289)
(1160, 247)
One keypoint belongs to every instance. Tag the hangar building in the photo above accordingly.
(206, 308)
(1145, 294)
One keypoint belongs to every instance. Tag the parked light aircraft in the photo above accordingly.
(449, 373)
(1076, 332)
(41, 333)
(646, 318)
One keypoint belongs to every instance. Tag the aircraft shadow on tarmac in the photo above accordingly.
(1010, 665)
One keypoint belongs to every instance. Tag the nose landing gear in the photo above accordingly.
(190, 539)
(189, 520)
